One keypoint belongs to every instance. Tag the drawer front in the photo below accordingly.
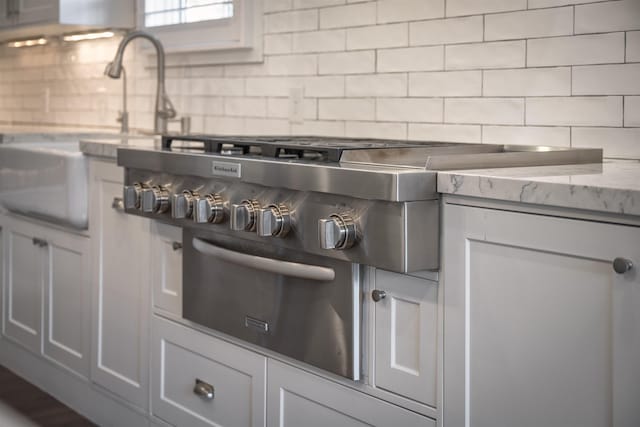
(298, 398)
(234, 377)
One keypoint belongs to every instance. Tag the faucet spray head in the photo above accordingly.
(113, 69)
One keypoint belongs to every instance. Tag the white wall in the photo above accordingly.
(555, 72)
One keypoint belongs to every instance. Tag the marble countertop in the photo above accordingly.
(612, 187)
(32, 133)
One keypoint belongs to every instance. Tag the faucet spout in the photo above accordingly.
(164, 107)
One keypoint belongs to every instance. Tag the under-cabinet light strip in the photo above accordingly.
(88, 36)
(28, 43)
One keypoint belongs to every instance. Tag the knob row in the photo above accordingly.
(335, 232)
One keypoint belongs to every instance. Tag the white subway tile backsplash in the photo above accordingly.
(347, 62)
(203, 87)
(353, 15)
(444, 133)
(324, 86)
(576, 50)
(632, 111)
(534, 4)
(446, 84)
(376, 130)
(633, 46)
(277, 44)
(377, 85)
(305, 4)
(245, 107)
(292, 65)
(608, 16)
(621, 79)
(318, 127)
(319, 41)
(531, 23)
(485, 55)
(277, 5)
(411, 59)
(477, 7)
(498, 111)
(253, 126)
(279, 108)
(409, 110)
(553, 136)
(346, 109)
(409, 10)
(446, 31)
(269, 86)
(378, 36)
(528, 82)
(622, 143)
(575, 111)
(300, 20)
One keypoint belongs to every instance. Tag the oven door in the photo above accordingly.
(304, 306)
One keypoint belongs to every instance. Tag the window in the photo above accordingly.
(202, 32)
(173, 12)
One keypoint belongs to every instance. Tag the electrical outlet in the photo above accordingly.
(296, 105)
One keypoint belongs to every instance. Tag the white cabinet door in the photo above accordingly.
(297, 398)
(34, 11)
(166, 267)
(23, 284)
(406, 324)
(539, 329)
(120, 246)
(67, 296)
(184, 359)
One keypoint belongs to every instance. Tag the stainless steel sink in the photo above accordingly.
(47, 180)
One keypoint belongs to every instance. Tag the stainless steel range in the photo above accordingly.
(276, 230)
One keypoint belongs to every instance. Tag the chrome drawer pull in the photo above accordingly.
(40, 242)
(176, 246)
(204, 390)
(118, 204)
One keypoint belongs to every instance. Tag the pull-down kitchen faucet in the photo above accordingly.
(164, 108)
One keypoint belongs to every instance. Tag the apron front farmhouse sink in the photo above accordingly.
(47, 180)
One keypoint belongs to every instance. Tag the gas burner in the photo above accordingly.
(318, 149)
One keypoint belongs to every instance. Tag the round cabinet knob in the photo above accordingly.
(622, 265)
(155, 200)
(209, 208)
(337, 232)
(243, 215)
(378, 295)
(131, 195)
(274, 220)
(182, 204)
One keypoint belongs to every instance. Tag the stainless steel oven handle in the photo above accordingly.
(285, 268)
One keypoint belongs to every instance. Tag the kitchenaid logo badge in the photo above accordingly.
(226, 169)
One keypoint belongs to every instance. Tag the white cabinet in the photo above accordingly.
(166, 267)
(47, 292)
(297, 398)
(199, 380)
(30, 18)
(538, 328)
(405, 341)
(120, 254)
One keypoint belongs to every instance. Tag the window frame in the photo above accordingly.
(228, 40)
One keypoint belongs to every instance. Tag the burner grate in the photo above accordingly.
(300, 147)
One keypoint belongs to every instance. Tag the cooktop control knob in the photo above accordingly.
(274, 220)
(209, 208)
(182, 204)
(155, 200)
(132, 195)
(337, 232)
(243, 215)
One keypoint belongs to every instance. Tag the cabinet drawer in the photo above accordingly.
(183, 356)
(297, 398)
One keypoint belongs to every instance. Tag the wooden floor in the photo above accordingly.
(22, 404)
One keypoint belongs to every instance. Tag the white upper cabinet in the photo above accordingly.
(539, 328)
(28, 18)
